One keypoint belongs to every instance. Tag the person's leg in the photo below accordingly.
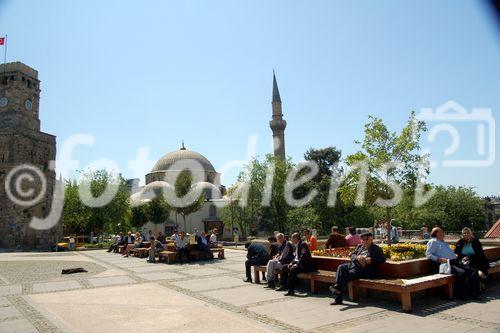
(292, 279)
(460, 280)
(342, 280)
(271, 265)
(248, 269)
(284, 279)
(474, 281)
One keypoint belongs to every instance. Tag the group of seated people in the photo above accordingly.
(467, 261)
(159, 243)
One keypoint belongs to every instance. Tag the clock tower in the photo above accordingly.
(26, 176)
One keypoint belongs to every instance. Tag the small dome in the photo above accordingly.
(210, 190)
(183, 154)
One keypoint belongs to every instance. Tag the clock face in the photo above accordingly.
(28, 104)
(3, 102)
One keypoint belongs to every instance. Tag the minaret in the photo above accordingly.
(278, 124)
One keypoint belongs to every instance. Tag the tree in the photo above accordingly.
(107, 215)
(300, 218)
(75, 214)
(183, 185)
(138, 216)
(391, 161)
(327, 160)
(157, 210)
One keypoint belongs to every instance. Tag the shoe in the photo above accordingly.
(290, 293)
(334, 290)
(270, 286)
(247, 280)
(281, 289)
(337, 301)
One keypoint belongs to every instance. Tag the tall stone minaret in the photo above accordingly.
(278, 124)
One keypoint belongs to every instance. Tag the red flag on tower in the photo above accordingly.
(2, 40)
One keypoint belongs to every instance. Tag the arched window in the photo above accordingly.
(212, 211)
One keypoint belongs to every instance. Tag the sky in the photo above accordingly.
(150, 74)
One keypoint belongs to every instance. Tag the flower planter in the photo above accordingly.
(392, 269)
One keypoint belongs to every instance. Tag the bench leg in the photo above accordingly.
(352, 292)
(313, 286)
(406, 301)
(449, 290)
(256, 275)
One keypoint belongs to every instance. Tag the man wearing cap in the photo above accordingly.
(364, 261)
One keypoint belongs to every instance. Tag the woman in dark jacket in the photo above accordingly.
(470, 252)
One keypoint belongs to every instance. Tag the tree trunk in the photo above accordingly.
(388, 216)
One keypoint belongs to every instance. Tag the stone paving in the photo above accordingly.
(130, 295)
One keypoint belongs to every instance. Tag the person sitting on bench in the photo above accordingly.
(119, 240)
(301, 263)
(202, 245)
(181, 246)
(256, 255)
(364, 261)
(136, 244)
(441, 253)
(161, 238)
(212, 241)
(154, 246)
(470, 252)
(282, 258)
(335, 239)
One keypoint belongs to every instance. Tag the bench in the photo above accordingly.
(169, 256)
(313, 277)
(219, 251)
(403, 287)
(140, 252)
(320, 275)
(494, 268)
(120, 249)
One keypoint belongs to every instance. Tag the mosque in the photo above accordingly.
(168, 167)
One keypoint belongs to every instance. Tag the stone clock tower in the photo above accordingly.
(25, 156)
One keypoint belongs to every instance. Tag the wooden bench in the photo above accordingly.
(169, 256)
(120, 249)
(320, 275)
(494, 268)
(256, 272)
(403, 287)
(140, 252)
(219, 251)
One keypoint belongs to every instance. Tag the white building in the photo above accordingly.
(163, 177)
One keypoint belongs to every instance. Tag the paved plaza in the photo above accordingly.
(130, 295)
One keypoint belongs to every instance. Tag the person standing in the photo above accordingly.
(364, 261)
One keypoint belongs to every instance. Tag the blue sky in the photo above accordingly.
(151, 73)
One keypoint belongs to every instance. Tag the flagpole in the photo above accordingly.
(5, 51)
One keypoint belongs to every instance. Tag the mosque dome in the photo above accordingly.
(179, 158)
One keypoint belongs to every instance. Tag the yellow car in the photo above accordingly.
(79, 240)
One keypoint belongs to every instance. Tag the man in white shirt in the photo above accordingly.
(213, 238)
(181, 246)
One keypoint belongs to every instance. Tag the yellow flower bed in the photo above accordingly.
(404, 251)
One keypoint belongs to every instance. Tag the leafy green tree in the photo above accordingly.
(157, 210)
(183, 185)
(109, 195)
(138, 216)
(391, 161)
(75, 214)
(300, 218)
(328, 160)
